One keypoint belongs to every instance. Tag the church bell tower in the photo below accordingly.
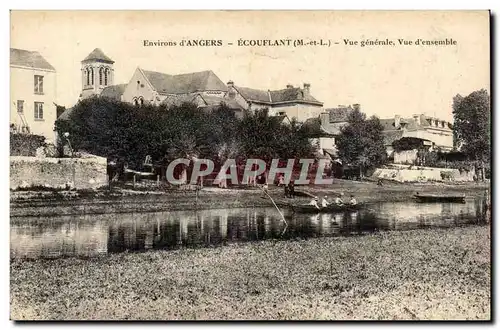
(97, 73)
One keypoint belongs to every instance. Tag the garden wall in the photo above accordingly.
(79, 173)
(423, 174)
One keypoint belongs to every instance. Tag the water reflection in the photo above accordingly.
(93, 235)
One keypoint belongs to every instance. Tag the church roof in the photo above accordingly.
(98, 55)
(114, 92)
(185, 83)
(30, 59)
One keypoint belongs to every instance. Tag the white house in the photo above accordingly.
(33, 94)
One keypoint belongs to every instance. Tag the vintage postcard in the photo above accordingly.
(250, 165)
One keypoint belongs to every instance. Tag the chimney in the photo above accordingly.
(417, 119)
(307, 88)
(230, 84)
(289, 86)
(356, 106)
(325, 119)
(397, 121)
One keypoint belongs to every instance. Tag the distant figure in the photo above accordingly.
(324, 202)
(379, 182)
(314, 202)
(353, 200)
(291, 189)
(339, 200)
(281, 181)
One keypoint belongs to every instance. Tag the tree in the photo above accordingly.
(472, 126)
(361, 143)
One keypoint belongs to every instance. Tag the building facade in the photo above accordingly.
(293, 102)
(435, 133)
(33, 94)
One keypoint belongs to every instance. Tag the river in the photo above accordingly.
(93, 235)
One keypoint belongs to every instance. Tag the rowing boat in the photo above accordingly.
(329, 209)
(429, 198)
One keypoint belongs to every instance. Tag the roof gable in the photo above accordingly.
(185, 83)
(99, 56)
(31, 59)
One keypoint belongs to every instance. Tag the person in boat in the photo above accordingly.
(314, 202)
(324, 202)
(338, 200)
(353, 201)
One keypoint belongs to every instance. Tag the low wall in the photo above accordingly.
(423, 174)
(79, 173)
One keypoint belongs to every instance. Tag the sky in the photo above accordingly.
(385, 80)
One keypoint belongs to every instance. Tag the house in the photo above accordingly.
(294, 102)
(327, 127)
(433, 134)
(33, 94)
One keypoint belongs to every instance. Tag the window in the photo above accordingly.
(92, 76)
(106, 74)
(38, 110)
(141, 100)
(101, 74)
(87, 74)
(136, 102)
(20, 106)
(38, 84)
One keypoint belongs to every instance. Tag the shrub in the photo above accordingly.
(25, 144)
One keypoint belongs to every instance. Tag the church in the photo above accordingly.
(203, 88)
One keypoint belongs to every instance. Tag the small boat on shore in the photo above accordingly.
(431, 198)
(329, 209)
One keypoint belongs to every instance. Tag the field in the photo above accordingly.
(421, 274)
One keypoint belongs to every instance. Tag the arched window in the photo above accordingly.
(87, 74)
(136, 102)
(106, 74)
(141, 100)
(101, 73)
(91, 75)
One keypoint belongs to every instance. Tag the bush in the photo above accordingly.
(25, 144)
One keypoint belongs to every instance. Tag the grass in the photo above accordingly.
(421, 274)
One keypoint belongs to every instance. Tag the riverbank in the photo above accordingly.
(420, 274)
(127, 199)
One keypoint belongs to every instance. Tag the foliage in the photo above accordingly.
(128, 133)
(361, 143)
(407, 143)
(25, 144)
(472, 124)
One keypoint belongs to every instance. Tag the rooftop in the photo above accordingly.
(98, 55)
(185, 83)
(31, 59)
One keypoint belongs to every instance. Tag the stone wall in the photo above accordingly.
(423, 174)
(80, 173)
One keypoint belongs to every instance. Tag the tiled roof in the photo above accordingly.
(177, 100)
(211, 100)
(185, 83)
(391, 136)
(98, 55)
(340, 114)
(276, 96)
(65, 115)
(30, 59)
(291, 94)
(114, 92)
(255, 95)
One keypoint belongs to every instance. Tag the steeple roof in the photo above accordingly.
(99, 56)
